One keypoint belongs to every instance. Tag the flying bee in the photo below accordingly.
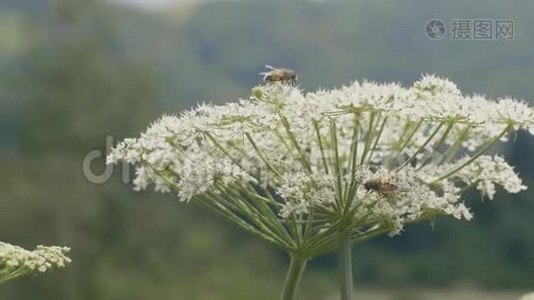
(279, 75)
(382, 185)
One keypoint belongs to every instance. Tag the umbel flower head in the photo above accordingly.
(297, 168)
(16, 261)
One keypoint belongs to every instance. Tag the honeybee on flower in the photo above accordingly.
(383, 185)
(282, 75)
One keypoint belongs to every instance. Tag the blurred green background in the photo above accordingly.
(73, 72)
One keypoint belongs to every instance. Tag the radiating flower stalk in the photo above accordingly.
(314, 172)
(16, 261)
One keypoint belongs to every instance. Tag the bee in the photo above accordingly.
(279, 75)
(381, 185)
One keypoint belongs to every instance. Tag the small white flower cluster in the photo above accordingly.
(16, 261)
(487, 171)
(421, 147)
(303, 190)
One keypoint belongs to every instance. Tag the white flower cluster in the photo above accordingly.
(408, 199)
(487, 171)
(379, 152)
(16, 261)
(302, 190)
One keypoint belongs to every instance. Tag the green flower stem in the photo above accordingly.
(346, 266)
(295, 143)
(483, 150)
(263, 222)
(407, 141)
(251, 140)
(7, 275)
(225, 152)
(438, 144)
(309, 223)
(219, 209)
(370, 134)
(294, 274)
(322, 237)
(331, 245)
(349, 188)
(320, 142)
(378, 136)
(337, 165)
(452, 150)
(409, 160)
(354, 145)
(272, 217)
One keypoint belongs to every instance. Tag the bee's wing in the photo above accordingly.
(264, 74)
(270, 67)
